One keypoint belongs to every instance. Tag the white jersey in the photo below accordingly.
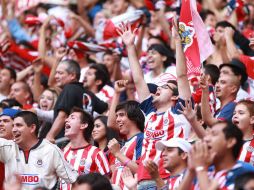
(40, 166)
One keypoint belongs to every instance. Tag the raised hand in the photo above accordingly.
(129, 181)
(114, 147)
(37, 65)
(120, 85)
(152, 168)
(204, 82)
(188, 111)
(127, 35)
(60, 53)
(175, 30)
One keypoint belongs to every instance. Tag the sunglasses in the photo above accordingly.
(166, 86)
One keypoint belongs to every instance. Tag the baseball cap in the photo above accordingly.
(152, 87)
(174, 143)
(239, 66)
(9, 112)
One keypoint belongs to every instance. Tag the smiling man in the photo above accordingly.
(38, 162)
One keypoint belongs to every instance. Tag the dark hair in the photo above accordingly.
(8, 103)
(85, 118)
(101, 73)
(110, 133)
(232, 131)
(134, 113)
(12, 72)
(161, 49)
(73, 67)
(94, 180)
(213, 71)
(29, 118)
(241, 180)
(175, 90)
(205, 13)
(108, 52)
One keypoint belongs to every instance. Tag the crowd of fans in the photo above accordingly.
(96, 94)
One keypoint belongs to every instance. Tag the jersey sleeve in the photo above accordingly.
(139, 145)
(102, 163)
(226, 113)
(63, 169)
(147, 105)
(5, 149)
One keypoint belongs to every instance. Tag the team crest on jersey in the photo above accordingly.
(166, 121)
(39, 162)
(82, 162)
(186, 33)
(250, 149)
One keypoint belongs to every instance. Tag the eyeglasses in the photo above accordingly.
(166, 86)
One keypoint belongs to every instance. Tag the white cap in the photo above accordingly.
(174, 143)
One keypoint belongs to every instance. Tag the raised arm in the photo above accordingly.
(181, 68)
(120, 86)
(205, 107)
(128, 37)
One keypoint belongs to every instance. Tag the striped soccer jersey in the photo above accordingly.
(247, 152)
(131, 149)
(85, 160)
(160, 126)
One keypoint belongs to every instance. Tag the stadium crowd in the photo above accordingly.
(98, 94)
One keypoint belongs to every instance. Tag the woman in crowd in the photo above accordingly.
(102, 134)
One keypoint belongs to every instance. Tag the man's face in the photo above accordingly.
(6, 123)
(163, 94)
(215, 139)
(210, 21)
(123, 122)
(21, 132)
(72, 125)
(155, 59)
(5, 79)
(219, 36)
(89, 80)
(19, 93)
(226, 70)
(171, 158)
(62, 77)
(224, 87)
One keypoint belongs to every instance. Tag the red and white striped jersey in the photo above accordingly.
(221, 179)
(174, 181)
(131, 149)
(85, 160)
(226, 178)
(247, 152)
(160, 126)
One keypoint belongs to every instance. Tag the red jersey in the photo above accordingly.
(160, 126)
(85, 160)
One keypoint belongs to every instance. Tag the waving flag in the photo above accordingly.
(107, 28)
(196, 42)
(86, 47)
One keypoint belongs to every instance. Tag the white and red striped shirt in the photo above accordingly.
(85, 160)
(160, 126)
(174, 181)
(131, 149)
(247, 152)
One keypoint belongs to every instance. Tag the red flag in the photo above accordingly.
(196, 42)
(107, 28)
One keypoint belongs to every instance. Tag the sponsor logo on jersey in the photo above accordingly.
(30, 179)
(157, 134)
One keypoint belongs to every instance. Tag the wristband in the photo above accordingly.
(200, 168)
(126, 162)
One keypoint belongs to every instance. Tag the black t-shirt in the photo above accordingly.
(75, 95)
